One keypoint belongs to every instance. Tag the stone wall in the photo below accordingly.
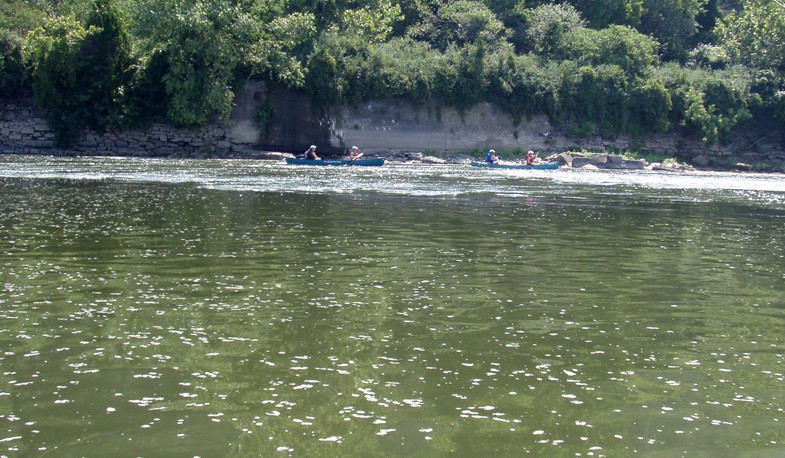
(293, 122)
(24, 131)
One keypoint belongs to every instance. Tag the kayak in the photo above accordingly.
(540, 166)
(368, 162)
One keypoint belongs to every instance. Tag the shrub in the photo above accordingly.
(522, 85)
(616, 45)
(12, 71)
(710, 103)
(549, 24)
(599, 95)
(649, 106)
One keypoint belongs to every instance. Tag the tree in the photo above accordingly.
(203, 42)
(674, 24)
(106, 64)
(79, 71)
(278, 52)
(460, 23)
(373, 24)
(548, 24)
(755, 36)
(12, 74)
(709, 103)
(617, 45)
(602, 13)
(20, 17)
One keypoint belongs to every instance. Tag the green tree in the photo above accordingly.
(278, 53)
(548, 24)
(404, 68)
(524, 85)
(79, 71)
(203, 41)
(602, 13)
(12, 72)
(106, 65)
(755, 36)
(599, 95)
(20, 17)
(709, 103)
(460, 23)
(55, 54)
(461, 82)
(374, 24)
(769, 103)
(617, 45)
(649, 105)
(674, 23)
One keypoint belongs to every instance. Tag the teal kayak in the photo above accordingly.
(540, 166)
(368, 162)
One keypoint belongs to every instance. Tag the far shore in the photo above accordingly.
(588, 161)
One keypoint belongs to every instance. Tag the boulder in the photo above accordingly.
(432, 160)
(579, 162)
(701, 160)
(564, 159)
(634, 165)
(615, 162)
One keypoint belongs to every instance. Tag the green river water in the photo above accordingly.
(240, 308)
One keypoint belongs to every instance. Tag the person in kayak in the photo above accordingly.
(354, 153)
(491, 157)
(311, 153)
(530, 157)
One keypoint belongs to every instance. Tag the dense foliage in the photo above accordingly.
(707, 67)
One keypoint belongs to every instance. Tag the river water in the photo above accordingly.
(243, 308)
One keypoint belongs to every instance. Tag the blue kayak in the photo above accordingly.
(540, 166)
(368, 162)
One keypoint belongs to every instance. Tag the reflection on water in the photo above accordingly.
(199, 308)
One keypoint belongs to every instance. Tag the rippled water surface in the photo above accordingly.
(242, 308)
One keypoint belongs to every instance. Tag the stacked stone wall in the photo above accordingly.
(24, 131)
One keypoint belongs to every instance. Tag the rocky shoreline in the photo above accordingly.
(582, 160)
(597, 161)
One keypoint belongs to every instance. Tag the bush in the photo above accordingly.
(55, 54)
(460, 23)
(710, 103)
(12, 71)
(461, 81)
(768, 101)
(620, 46)
(649, 106)
(523, 86)
(404, 68)
(549, 24)
(79, 71)
(598, 95)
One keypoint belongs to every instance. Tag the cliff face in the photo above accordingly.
(394, 126)
(269, 119)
